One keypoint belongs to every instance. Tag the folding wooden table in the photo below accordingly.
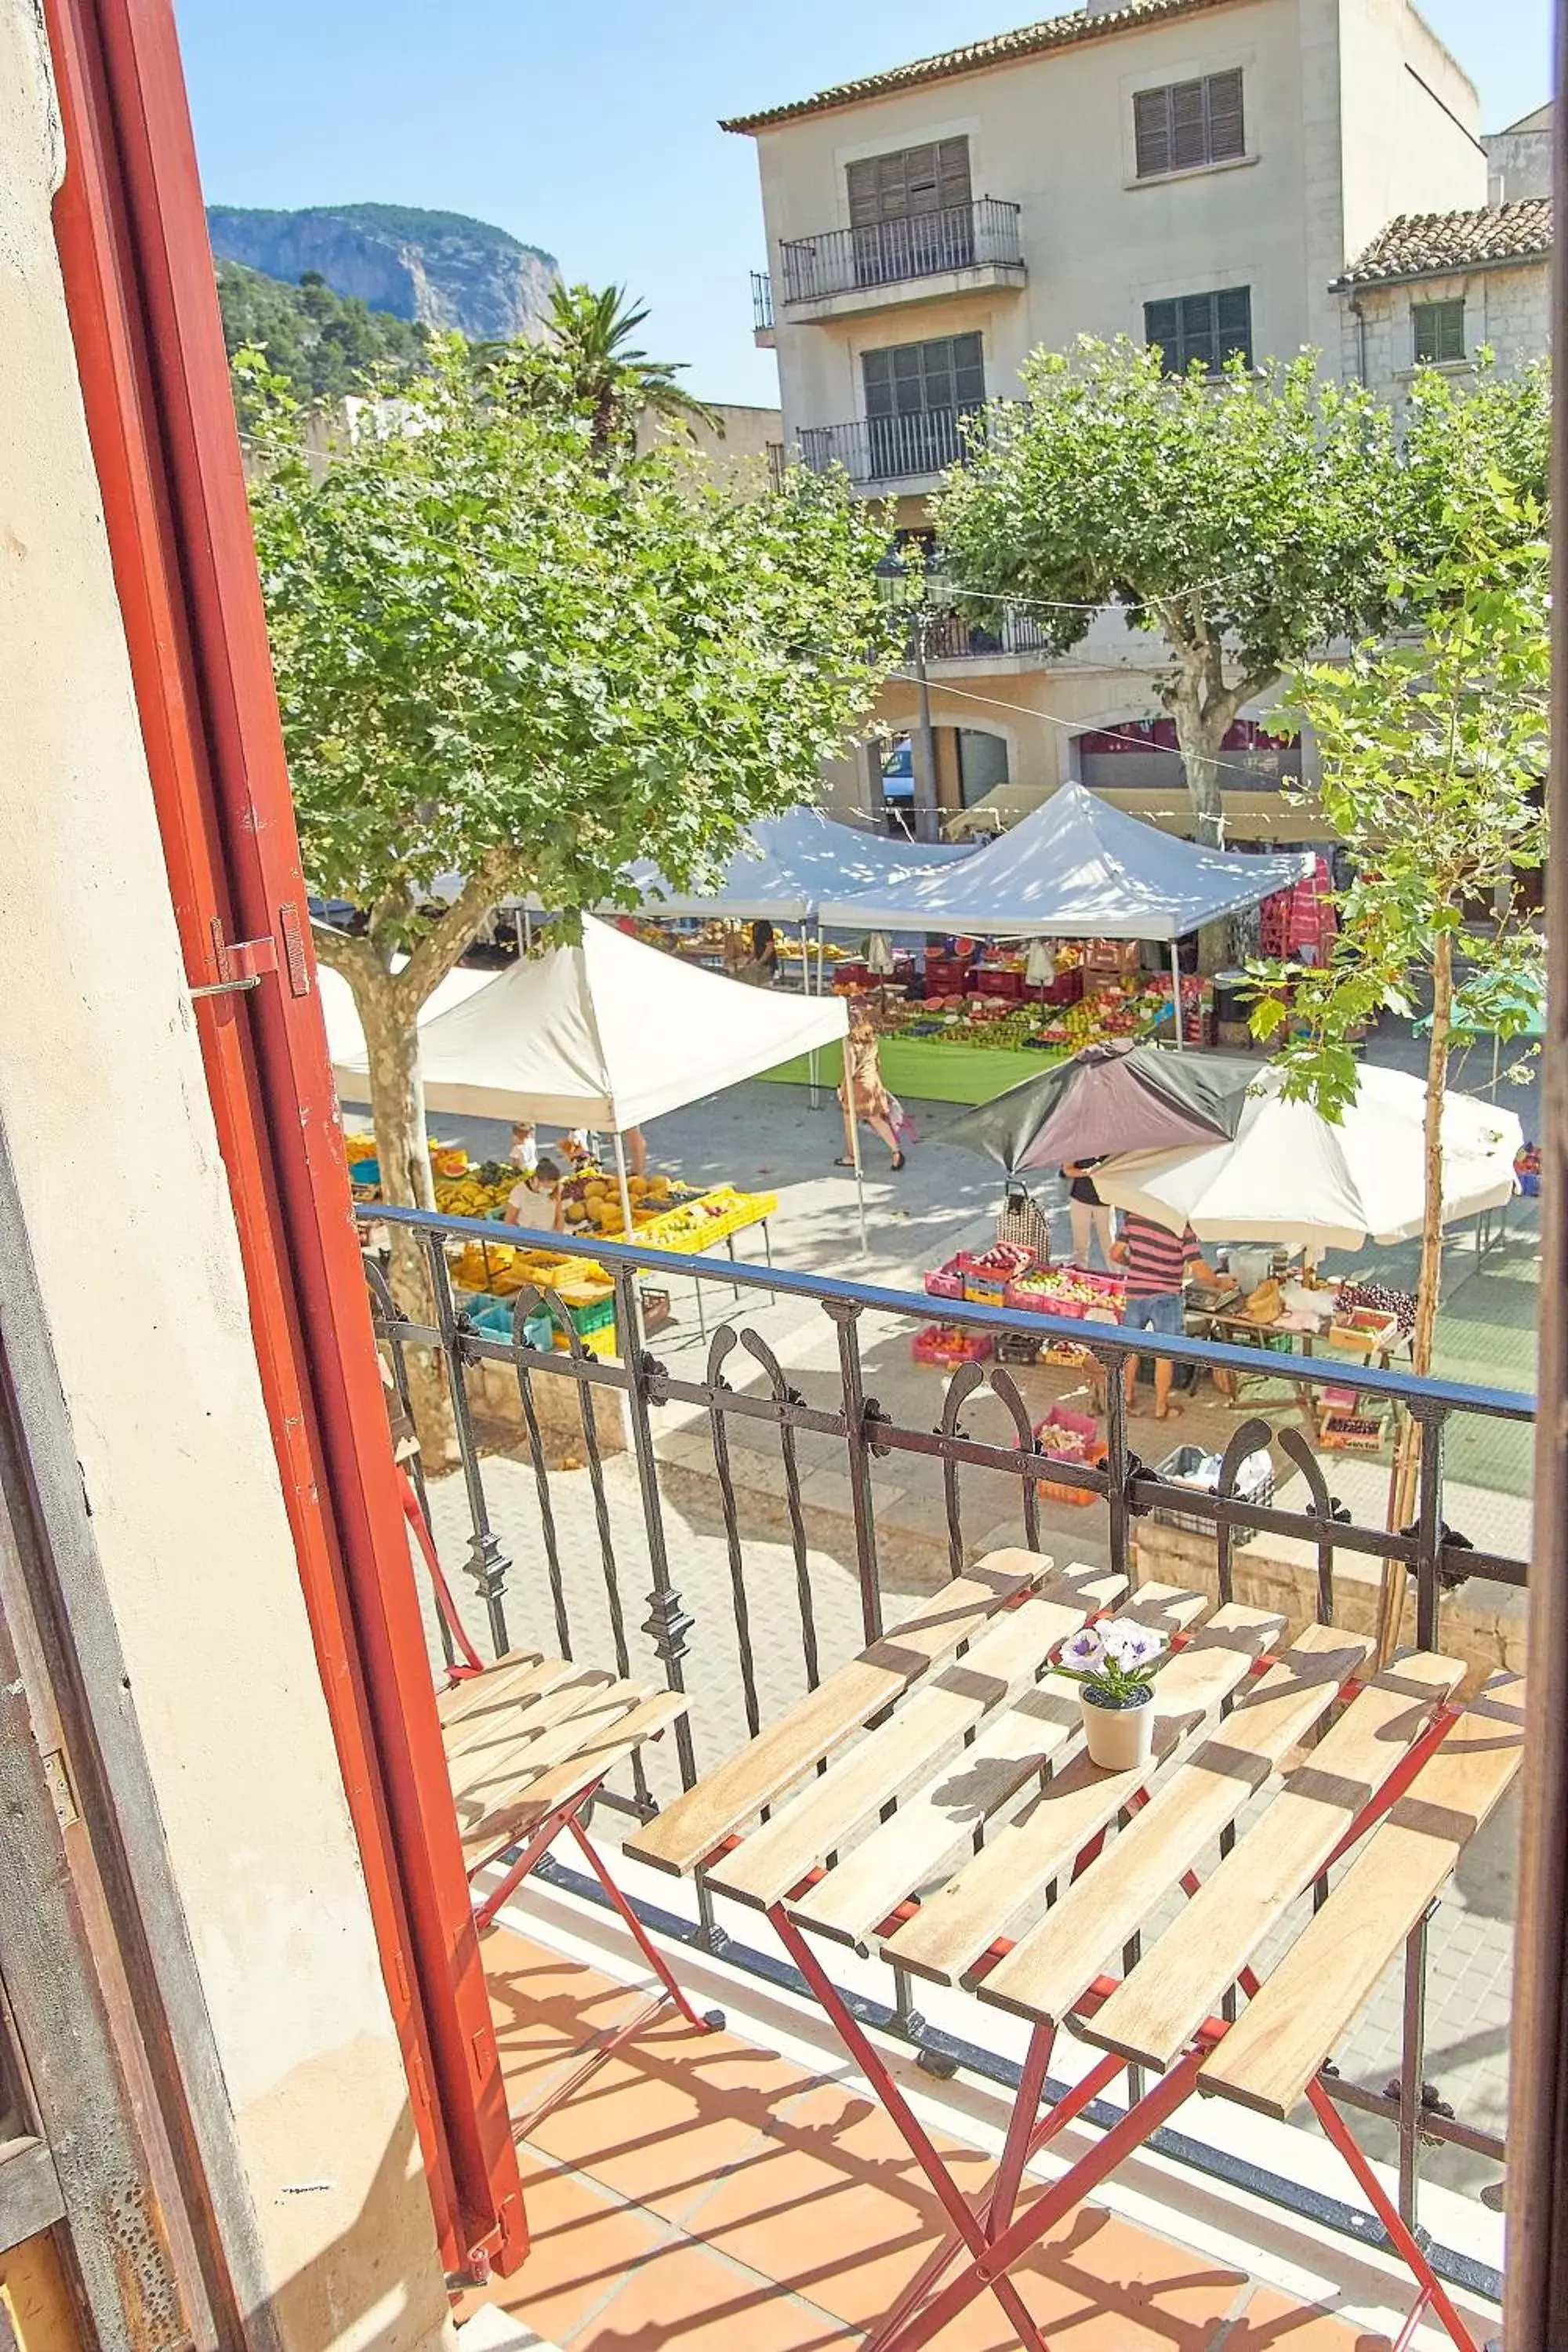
(858, 1817)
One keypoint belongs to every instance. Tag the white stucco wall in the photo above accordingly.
(104, 1105)
(1343, 131)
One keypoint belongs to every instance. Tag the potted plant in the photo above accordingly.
(1114, 1665)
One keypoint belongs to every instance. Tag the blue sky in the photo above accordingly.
(593, 130)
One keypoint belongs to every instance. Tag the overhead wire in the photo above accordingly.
(1070, 726)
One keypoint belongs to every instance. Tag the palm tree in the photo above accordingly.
(612, 380)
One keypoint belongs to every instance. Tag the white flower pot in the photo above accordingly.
(1120, 1738)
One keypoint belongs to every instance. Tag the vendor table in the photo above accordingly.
(1399, 1764)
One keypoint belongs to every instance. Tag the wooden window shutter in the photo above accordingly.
(1151, 126)
(952, 159)
(909, 181)
(1227, 128)
(1189, 129)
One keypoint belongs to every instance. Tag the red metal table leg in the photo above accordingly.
(714, 2018)
(1405, 2242)
(1052, 2205)
(952, 2199)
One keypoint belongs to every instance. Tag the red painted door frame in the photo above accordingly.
(131, 235)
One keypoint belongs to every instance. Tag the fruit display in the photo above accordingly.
(464, 1187)
(947, 1346)
(593, 1199)
(1065, 1290)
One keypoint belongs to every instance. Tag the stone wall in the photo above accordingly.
(1508, 308)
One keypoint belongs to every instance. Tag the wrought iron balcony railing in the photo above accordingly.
(762, 300)
(874, 449)
(952, 636)
(890, 253)
(609, 1573)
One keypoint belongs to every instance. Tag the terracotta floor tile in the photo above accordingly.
(1275, 2323)
(584, 2246)
(687, 2300)
(661, 2121)
(547, 2012)
(1106, 2282)
(831, 2203)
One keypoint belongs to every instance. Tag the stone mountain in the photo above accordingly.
(439, 268)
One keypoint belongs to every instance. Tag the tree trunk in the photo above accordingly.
(397, 1114)
(1200, 737)
(1403, 1482)
(388, 1006)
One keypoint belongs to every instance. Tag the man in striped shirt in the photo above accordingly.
(1158, 1265)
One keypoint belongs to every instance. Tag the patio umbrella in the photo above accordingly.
(1290, 1176)
(1108, 1099)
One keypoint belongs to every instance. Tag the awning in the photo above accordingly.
(1074, 868)
(606, 1035)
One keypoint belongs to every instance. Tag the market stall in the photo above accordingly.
(1094, 883)
(606, 1035)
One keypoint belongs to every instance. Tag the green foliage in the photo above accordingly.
(497, 655)
(1252, 519)
(1434, 751)
(586, 365)
(1251, 506)
(321, 344)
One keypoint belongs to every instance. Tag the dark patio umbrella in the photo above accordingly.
(1107, 1099)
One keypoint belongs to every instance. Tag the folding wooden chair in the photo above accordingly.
(529, 1742)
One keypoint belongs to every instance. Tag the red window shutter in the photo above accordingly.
(134, 249)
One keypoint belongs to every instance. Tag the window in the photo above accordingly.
(915, 395)
(1211, 328)
(1187, 123)
(911, 213)
(1439, 331)
(910, 180)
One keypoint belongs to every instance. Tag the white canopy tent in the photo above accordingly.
(606, 1035)
(345, 1038)
(1291, 1176)
(789, 863)
(1074, 868)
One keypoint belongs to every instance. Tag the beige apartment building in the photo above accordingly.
(1203, 174)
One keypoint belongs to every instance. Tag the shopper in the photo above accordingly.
(762, 965)
(524, 1152)
(535, 1204)
(1158, 1264)
(1088, 1215)
(863, 1094)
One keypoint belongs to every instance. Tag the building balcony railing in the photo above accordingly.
(951, 636)
(720, 1509)
(876, 449)
(761, 302)
(981, 233)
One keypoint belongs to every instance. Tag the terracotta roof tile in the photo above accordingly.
(1427, 245)
(1030, 40)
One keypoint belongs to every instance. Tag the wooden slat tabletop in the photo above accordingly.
(1325, 1979)
(689, 1830)
(1047, 1970)
(912, 1853)
(952, 1931)
(1155, 2012)
(996, 1667)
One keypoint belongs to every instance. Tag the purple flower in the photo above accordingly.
(1129, 1644)
(1083, 1651)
